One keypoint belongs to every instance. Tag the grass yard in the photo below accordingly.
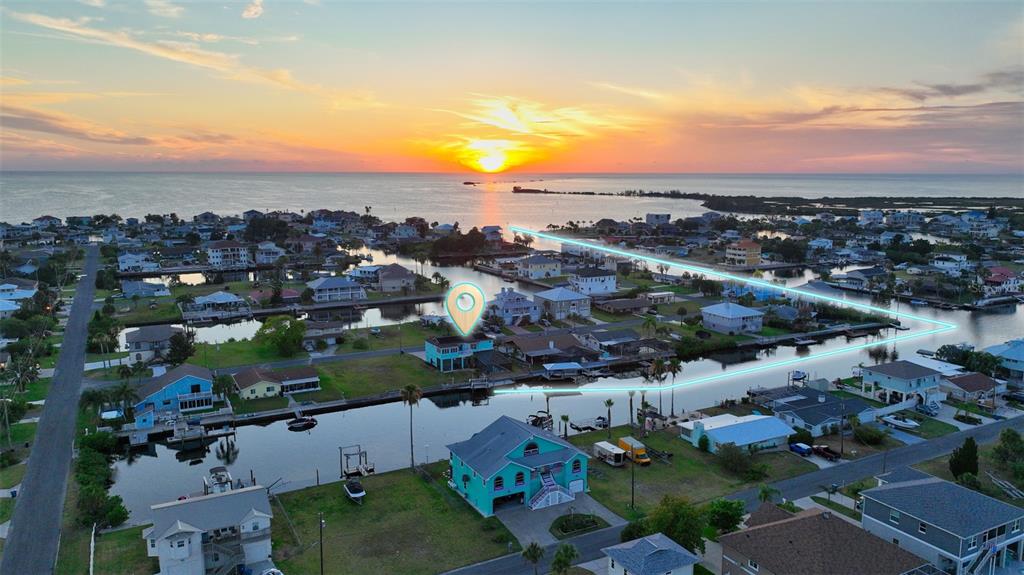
(361, 377)
(692, 472)
(853, 449)
(409, 335)
(407, 525)
(234, 353)
(608, 317)
(930, 427)
(12, 475)
(38, 389)
(6, 509)
(124, 553)
(769, 331)
(241, 406)
(823, 501)
(166, 311)
(849, 395)
(577, 524)
(21, 433)
(73, 554)
(939, 467)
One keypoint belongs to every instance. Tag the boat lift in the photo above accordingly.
(362, 466)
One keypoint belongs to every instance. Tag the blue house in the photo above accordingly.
(902, 380)
(1011, 357)
(512, 462)
(181, 390)
(450, 353)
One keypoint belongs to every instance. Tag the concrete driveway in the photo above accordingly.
(907, 438)
(946, 413)
(528, 526)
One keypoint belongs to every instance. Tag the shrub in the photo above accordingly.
(103, 442)
(724, 515)
(361, 343)
(734, 459)
(964, 459)
(868, 435)
(802, 436)
(635, 529)
(704, 444)
(969, 480)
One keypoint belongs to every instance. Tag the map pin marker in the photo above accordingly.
(465, 305)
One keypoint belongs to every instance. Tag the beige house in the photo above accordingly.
(255, 383)
(743, 253)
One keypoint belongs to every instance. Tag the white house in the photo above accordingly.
(751, 432)
(652, 555)
(269, 253)
(593, 281)
(513, 307)
(561, 303)
(335, 288)
(819, 244)
(871, 218)
(492, 233)
(538, 266)
(657, 219)
(212, 533)
(129, 262)
(732, 318)
(951, 264)
(8, 308)
(228, 254)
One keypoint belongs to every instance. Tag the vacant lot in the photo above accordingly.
(361, 377)
(939, 467)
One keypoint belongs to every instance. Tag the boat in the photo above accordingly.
(541, 419)
(219, 481)
(302, 423)
(918, 302)
(900, 422)
(354, 490)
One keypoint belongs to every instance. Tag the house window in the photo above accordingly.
(972, 542)
(922, 527)
(181, 543)
(1016, 526)
(894, 516)
(152, 542)
(752, 564)
(531, 449)
(520, 478)
(577, 466)
(499, 483)
(255, 526)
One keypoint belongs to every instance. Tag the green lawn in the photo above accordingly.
(577, 524)
(939, 467)
(12, 475)
(38, 389)
(410, 335)
(768, 331)
(261, 404)
(930, 427)
(124, 553)
(166, 311)
(851, 513)
(361, 377)
(849, 395)
(969, 406)
(21, 433)
(692, 473)
(234, 353)
(406, 525)
(608, 317)
(73, 554)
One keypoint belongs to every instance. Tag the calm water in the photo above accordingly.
(442, 197)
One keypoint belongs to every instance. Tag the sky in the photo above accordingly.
(724, 87)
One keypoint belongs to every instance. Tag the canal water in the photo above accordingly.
(273, 454)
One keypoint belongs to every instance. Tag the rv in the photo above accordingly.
(635, 450)
(609, 454)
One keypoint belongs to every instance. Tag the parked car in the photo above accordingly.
(927, 409)
(1017, 396)
(801, 449)
(826, 452)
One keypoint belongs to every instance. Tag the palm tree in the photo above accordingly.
(565, 426)
(411, 395)
(126, 396)
(124, 372)
(674, 368)
(533, 554)
(631, 394)
(658, 374)
(564, 556)
(139, 368)
(608, 403)
(650, 324)
(93, 399)
(766, 493)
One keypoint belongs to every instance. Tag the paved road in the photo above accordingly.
(814, 482)
(589, 547)
(35, 534)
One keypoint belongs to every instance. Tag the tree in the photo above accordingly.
(964, 459)
(1010, 449)
(674, 368)
(650, 324)
(565, 426)
(704, 444)
(680, 521)
(93, 399)
(124, 371)
(125, 395)
(181, 348)
(223, 385)
(766, 493)
(283, 333)
(533, 553)
(564, 557)
(411, 395)
(724, 515)
(608, 403)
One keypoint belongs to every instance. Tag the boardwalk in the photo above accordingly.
(35, 527)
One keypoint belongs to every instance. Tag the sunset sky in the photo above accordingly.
(327, 86)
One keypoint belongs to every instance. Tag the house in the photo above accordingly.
(513, 307)
(562, 303)
(308, 244)
(818, 412)
(492, 234)
(622, 305)
(950, 263)
(652, 555)
(538, 266)
(593, 281)
(1011, 358)
(330, 332)
(752, 432)
(972, 387)
(131, 262)
(336, 288)
(819, 245)
(268, 253)
(866, 278)
(254, 383)
(17, 290)
(181, 390)
(811, 542)
(659, 297)
(212, 533)
(902, 380)
(206, 219)
(405, 232)
(1000, 281)
(150, 341)
(732, 318)
(870, 218)
(743, 253)
(250, 215)
(218, 305)
(451, 353)
(366, 275)
(959, 530)
(143, 289)
(43, 222)
(8, 308)
(540, 348)
(395, 278)
(907, 219)
(612, 341)
(511, 462)
(657, 219)
(228, 254)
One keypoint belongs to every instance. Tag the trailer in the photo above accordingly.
(610, 454)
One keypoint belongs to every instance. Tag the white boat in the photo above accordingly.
(354, 490)
(900, 422)
(918, 302)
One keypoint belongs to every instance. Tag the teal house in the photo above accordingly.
(449, 353)
(511, 462)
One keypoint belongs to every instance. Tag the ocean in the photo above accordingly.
(443, 197)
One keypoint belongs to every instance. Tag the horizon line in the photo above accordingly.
(508, 173)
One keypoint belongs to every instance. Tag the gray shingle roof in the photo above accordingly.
(210, 511)
(902, 474)
(946, 505)
(902, 369)
(652, 555)
(486, 451)
(150, 333)
(805, 403)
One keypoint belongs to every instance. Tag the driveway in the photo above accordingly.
(908, 438)
(946, 413)
(529, 526)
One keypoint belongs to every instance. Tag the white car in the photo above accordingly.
(272, 571)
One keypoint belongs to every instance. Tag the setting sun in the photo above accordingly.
(487, 155)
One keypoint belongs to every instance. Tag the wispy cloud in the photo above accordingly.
(253, 10)
(94, 3)
(642, 93)
(164, 8)
(18, 118)
(1010, 80)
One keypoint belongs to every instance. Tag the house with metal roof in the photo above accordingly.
(959, 530)
(336, 288)
(562, 303)
(732, 318)
(181, 390)
(754, 432)
(902, 380)
(1011, 358)
(212, 533)
(511, 462)
(652, 555)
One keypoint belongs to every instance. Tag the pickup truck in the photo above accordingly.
(826, 452)
(801, 449)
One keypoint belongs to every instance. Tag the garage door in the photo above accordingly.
(576, 486)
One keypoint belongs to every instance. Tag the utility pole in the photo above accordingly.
(632, 484)
(321, 543)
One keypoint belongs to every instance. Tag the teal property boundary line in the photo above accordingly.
(942, 326)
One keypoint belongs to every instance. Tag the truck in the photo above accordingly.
(826, 452)
(635, 450)
(801, 449)
(609, 454)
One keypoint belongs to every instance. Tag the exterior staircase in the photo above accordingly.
(981, 561)
(550, 493)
